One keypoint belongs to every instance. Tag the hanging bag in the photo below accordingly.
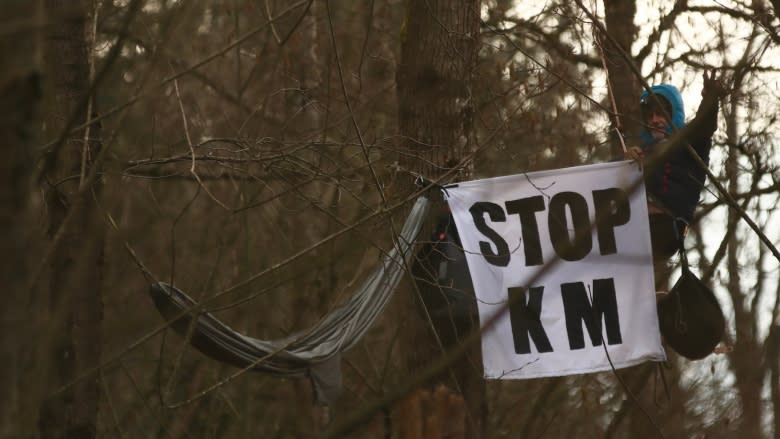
(690, 317)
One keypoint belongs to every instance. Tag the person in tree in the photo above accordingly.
(674, 185)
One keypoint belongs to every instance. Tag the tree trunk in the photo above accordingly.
(625, 89)
(773, 359)
(438, 57)
(619, 18)
(749, 375)
(20, 94)
(74, 301)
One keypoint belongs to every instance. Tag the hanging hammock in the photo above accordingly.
(314, 352)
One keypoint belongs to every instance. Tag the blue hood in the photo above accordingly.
(672, 94)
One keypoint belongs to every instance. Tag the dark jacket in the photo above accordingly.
(677, 182)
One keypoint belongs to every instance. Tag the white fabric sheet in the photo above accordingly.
(550, 329)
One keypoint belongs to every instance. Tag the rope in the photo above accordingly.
(618, 125)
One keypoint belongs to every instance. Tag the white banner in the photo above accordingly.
(560, 292)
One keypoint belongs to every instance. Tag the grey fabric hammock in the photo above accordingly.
(314, 352)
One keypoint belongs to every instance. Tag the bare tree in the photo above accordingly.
(436, 111)
(20, 96)
(76, 228)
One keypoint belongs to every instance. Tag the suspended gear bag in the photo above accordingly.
(690, 317)
(442, 275)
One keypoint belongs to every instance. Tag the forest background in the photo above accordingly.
(261, 154)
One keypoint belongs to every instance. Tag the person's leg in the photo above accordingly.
(663, 238)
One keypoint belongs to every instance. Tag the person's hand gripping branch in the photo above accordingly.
(634, 153)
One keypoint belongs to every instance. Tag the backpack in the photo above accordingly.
(690, 317)
(442, 276)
